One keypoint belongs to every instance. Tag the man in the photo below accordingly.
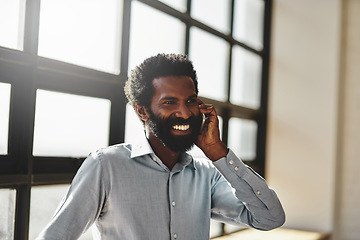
(154, 189)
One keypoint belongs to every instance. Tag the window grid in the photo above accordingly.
(26, 73)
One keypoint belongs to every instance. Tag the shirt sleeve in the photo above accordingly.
(241, 195)
(81, 205)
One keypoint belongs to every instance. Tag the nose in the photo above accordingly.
(183, 111)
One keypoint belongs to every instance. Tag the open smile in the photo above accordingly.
(179, 127)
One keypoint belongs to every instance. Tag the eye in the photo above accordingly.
(168, 102)
(191, 101)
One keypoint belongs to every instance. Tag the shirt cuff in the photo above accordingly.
(231, 164)
(231, 167)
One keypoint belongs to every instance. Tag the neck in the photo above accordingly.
(166, 155)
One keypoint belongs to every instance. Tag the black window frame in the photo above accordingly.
(27, 72)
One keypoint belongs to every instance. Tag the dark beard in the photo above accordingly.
(161, 128)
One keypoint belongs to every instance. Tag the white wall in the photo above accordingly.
(314, 114)
(302, 130)
(347, 211)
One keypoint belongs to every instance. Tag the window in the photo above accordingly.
(151, 27)
(242, 138)
(61, 81)
(12, 14)
(69, 125)
(44, 199)
(211, 74)
(92, 40)
(249, 22)
(205, 10)
(7, 213)
(245, 78)
(4, 117)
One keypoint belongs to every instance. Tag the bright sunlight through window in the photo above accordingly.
(82, 32)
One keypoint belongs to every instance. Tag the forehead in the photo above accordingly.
(173, 86)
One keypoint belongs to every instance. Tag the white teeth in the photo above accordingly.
(181, 127)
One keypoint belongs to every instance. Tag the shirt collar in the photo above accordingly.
(187, 160)
(142, 147)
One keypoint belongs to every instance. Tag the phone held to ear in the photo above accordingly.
(203, 121)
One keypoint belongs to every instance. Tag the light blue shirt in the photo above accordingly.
(130, 194)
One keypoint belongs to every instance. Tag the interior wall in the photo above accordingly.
(302, 120)
(347, 211)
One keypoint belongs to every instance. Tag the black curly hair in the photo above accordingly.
(139, 89)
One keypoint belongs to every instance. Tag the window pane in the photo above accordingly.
(229, 228)
(12, 15)
(4, 117)
(245, 78)
(44, 202)
(242, 138)
(82, 32)
(7, 213)
(179, 5)
(215, 228)
(214, 13)
(248, 22)
(153, 32)
(212, 72)
(133, 126)
(70, 125)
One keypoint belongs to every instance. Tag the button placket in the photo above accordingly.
(173, 203)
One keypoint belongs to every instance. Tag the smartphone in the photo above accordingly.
(203, 122)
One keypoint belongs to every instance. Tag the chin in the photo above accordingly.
(182, 143)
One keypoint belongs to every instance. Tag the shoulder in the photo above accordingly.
(207, 170)
(205, 166)
(113, 150)
(111, 153)
(203, 163)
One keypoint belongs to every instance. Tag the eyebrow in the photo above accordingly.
(193, 96)
(168, 98)
(174, 98)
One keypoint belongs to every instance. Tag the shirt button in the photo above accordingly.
(173, 203)
(258, 192)
(175, 236)
(231, 162)
(236, 168)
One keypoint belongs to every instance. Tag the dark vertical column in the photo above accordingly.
(22, 119)
(262, 121)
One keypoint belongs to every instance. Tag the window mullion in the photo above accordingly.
(262, 120)
(31, 32)
(125, 39)
(22, 212)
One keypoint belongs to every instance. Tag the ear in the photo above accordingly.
(141, 112)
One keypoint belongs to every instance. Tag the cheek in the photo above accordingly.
(158, 111)
(196, 111)
(164, 115)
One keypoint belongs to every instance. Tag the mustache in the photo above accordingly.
(181, 121)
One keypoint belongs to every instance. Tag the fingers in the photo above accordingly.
(203, 105)
(207, 109)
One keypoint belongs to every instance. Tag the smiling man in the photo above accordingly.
(154, 189)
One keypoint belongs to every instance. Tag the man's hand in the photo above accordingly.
(209, 139)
